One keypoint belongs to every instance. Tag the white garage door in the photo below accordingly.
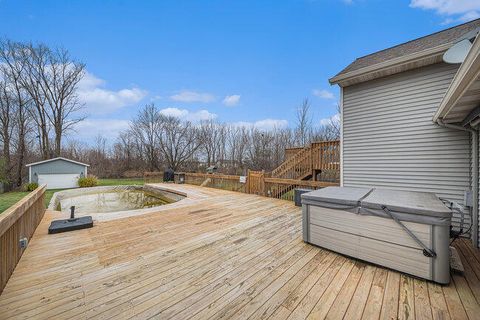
(59, 181)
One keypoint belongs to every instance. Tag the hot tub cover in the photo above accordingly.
(420, 207)
(419, 203)
(336, 196)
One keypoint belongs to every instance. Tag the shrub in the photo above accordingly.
(86, 182)
(31, 186)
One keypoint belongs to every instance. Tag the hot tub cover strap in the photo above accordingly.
(426, 250)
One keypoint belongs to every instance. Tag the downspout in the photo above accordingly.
(475, 190)
(341, 136)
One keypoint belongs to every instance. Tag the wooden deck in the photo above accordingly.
(218, 254)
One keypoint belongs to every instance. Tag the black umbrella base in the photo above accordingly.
(66, 225)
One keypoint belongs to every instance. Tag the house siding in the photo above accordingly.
(476, 237)
(56, 167)
(390, 141)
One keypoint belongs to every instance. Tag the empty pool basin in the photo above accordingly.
(112, 199)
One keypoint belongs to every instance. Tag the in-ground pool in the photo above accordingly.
(111, 199)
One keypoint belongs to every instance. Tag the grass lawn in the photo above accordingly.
(116, 182)
(10, 198)
(49, 195)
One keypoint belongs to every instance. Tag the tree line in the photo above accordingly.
(38, 104)
(155, 142)
(39, 107)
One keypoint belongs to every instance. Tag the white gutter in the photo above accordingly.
(475, 185)
(392, 63)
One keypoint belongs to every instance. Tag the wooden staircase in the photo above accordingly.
(317, 158)
(297, 167)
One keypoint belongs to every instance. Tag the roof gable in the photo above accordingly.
(55, 159)
(432, 46)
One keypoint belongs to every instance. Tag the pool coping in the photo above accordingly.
(104, 216)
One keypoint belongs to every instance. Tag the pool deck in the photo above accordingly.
(218, 254)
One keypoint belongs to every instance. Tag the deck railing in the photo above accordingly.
(255, 182)
(284, 188)
(219, 181)
(153, 177)
(17, 224)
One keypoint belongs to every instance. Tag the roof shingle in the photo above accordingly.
(433, 40)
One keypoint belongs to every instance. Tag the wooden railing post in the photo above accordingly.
(311, 159)
(262, 182)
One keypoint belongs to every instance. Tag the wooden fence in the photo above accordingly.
(16, 223)
(219, 181)
(153, 177)
(256, 182)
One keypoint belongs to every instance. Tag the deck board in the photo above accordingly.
(218, 254)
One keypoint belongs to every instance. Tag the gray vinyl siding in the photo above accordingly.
(390, 141)
(57, 167)
(476, 241)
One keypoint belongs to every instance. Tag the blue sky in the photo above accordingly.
(237, 61)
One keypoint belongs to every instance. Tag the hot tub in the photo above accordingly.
(401, 230)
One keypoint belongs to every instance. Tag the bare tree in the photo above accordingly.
(7, 124)
(50, 77)
(209, 135)
(304, 121)
(124, 152)
(34, 60)
(282, 139)
(232, 142)
(145, 128)
(12, 67)
(329, 130)
(259, 152)
(59, 81)
(178, 141)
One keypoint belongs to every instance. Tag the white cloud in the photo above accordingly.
(324, 94)
(326, 121)
(99, 100)
(270, 124)
(232, 100)
(265, 124)
(174, 112)
(184, 114)
(192, 96)
(453, 10)
(470, 15)
(88, 129)
(156, 98)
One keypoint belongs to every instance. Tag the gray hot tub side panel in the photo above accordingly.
(306, 223)
(441, 245)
